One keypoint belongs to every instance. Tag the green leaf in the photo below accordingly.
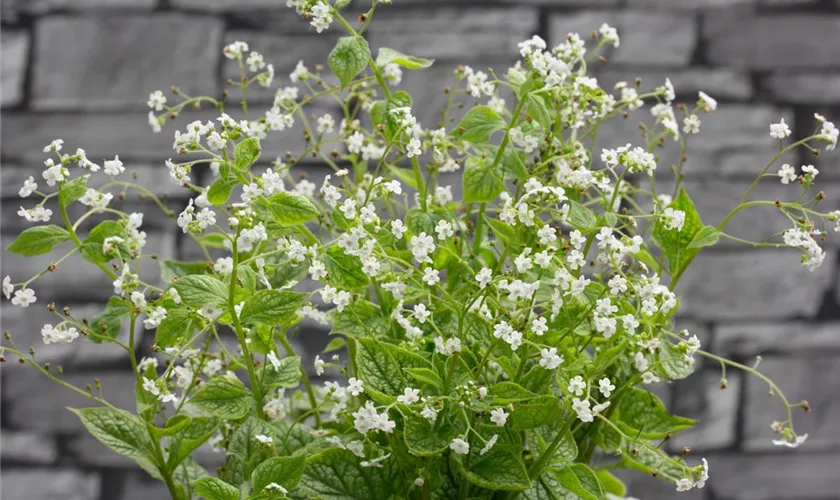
(118, 430)
(291, 209)
(247, 153)
(509, 392)
(481, 183)
(37, 240)
(705, 237)
(171, 269)
(642, 414)
(582, 218)
(287, 374)
(387, 56)
(419, 221)
(426, 376)
(546, 487)
(285, 471)
(649, 460)
(535, 413)
(344, 271)
(675, 243)
(212, 488)
(540, 439)
(188, 438)
(611, 484)
(479, 124)
(109, 322)
(243, 443)
(198, 291)
(92, 246)
(426, 439)
(582, 481)
(176, 328)
(219, 192)
(499, 470)
(538, 108)
(381, 366)
(348, 58)
(224, 397)
(335, 474)
(72, 190)
(511, 164)
(272, 307)
(674, 363)
(382, 113)
(362, 318)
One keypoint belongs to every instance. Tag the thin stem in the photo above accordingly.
(304, 376)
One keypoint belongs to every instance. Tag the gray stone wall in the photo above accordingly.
(81, 70)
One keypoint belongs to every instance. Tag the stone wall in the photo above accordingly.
(81, 70)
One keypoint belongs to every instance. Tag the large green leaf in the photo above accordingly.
(72, 190)
(479, 124)
(348, 58)
(225, 397)
(176, 329)
(642, 414)
(198, 291)
(272, 307)
(291, 209)
(171, 269)
(336, 474)
(109, 322)
(426, 439)
(344, 271)
(120, 431)
(581, 481)
(212, 488)
(499, 470)
(481, 183)
(247, 153)
(387, 56)
(219, 192)
(285, 471)
(287, 374)
(188, 438)
(382, 366)
(675, 244)
(536, 413)
(92, 246)
(37, 240)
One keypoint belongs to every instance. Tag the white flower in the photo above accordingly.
(52, 335)
(53, 173)
(684, 484)
(23, 297)
(829, 133)
(321, 16)
(376, 462)
(809, 171)
(54, 146)
(317, 270)
(609, 35)
(276, 487)
(706, 102)
(235, 50)
(577, 386)
(326, 124)
(489, 445)
(704, 475)
(459, 446)
(8, 288)
(354, 386)
(95, 200)
(447, 347)
(37, 214)
(673, 219)
(29, 186)
(581, 408)
(263, 439)
(398, 228)
(539, 326)
(154, 318)
(419, 482)
(319, 365)
(444, 230)
(787, 173)
(151, 387)
(485, 275)
(798, 440)
(549, 359)
(779, 130)
(431, 276)
(691, 124)
(498, 417)
(421, 313)
(413, 148)
(429, 414)
(409, 396)
(156, 100)
(606, 387)
(223, 265)
(421, 246)
(114, 167)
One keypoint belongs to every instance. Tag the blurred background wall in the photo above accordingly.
(81, 70)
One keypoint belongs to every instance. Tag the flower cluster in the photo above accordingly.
(515, 328)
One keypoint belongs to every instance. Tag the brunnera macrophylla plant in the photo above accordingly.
(496, 346)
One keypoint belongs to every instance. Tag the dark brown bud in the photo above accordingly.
(362, 18)
(638, 81)
(602, 59)
(51, 307)
(66, 310)
(806, 406)
(52, 267)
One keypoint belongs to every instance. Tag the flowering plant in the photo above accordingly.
(488, 347)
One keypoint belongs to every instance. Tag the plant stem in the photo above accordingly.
(305, 379)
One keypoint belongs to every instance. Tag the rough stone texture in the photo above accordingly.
(124, 59)
(15, 48)
(81, 70)
(49, 484)
(772, 41)
(752, 285)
